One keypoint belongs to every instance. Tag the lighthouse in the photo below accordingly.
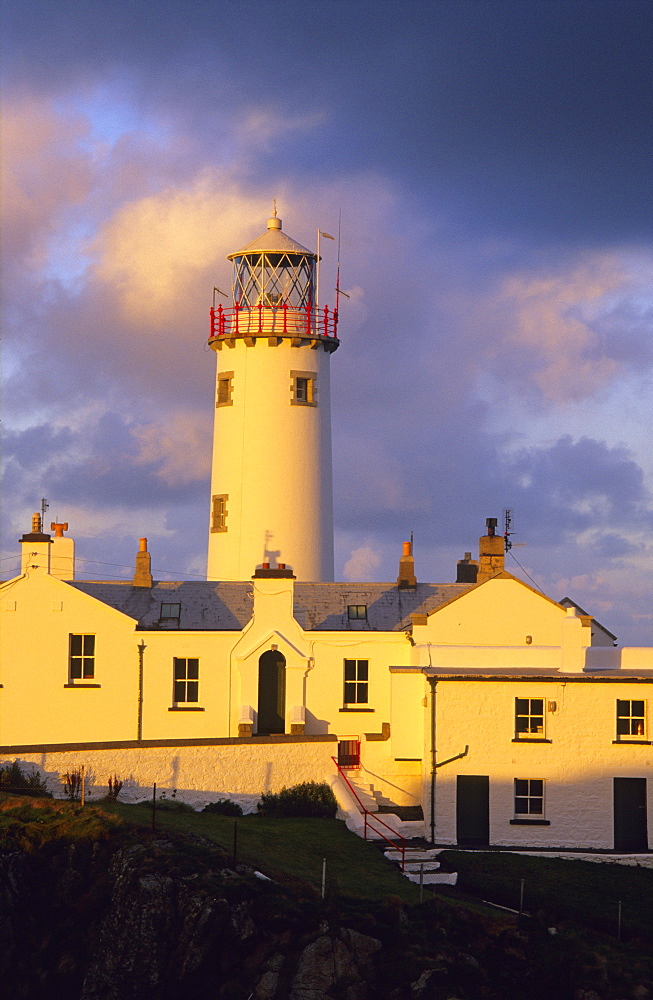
(271, 481)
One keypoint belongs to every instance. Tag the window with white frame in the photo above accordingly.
(529, 797)
(529, 718)
(631, 719)
(219, 512)
(186, 680)
(81, 659)
(303, 388)
(356, 682)
(357, 612)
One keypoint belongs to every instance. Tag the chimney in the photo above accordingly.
(407, 578)
(62, 554)
(143, 574)
(491, 549)
(466, 569)
(35, 548)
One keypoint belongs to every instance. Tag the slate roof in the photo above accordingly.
(318, 606)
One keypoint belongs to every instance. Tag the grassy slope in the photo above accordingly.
(291, 849)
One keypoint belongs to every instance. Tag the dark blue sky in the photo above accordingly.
(492, 163)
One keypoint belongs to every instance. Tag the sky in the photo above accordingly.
(490, 162)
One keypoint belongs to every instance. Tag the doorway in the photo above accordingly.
(473, 810)
(630, 833)
(271, 693)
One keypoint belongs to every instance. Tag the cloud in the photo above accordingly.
(549, 331)
(362, 564)
(179, 448)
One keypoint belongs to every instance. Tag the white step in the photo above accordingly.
(413, 855)
(426, 866)
(435, 878)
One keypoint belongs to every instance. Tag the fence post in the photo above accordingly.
(154, 806)
(235, 843)
(521, 896)
(619, 921)
(323, 876)
(421, 882)
(83, 797)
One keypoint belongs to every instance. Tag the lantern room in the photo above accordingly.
(274, 271)
(274, 293)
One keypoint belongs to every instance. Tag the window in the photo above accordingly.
(169, 617)
(219, 512)
(631, 719)
(225, 389)
(357, 612)
(82, 657)
(356, 676)
(304, 388)
(529, 717)
(529, 797)
(186, 680)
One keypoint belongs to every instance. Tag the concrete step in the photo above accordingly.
(433, 878)
(412, 854)
(417, 866)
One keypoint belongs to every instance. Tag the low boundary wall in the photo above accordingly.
(192, 771)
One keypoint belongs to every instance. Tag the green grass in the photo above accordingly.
(584, 891)
(27, 824)
(289, 850)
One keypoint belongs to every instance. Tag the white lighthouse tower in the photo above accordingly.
(271, 482)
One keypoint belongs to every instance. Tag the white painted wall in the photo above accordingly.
(196, 774)
(273, 460)
(577, 765)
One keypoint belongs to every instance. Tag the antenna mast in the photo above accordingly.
(507, 523)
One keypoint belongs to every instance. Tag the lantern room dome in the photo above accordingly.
(274, 240)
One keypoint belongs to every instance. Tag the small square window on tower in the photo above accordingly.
(303, 388)
(225, 389)
(357, 612)
(219, 512)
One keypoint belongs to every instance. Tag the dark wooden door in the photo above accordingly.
(630, 832)
(473, 810)
(271, 693)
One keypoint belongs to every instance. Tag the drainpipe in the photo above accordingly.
(432, 681)
(434, 764)
(141, 653)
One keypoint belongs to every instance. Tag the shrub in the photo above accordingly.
(311, 798)
(72, 783)
(16, 782)
(115, 785)
(223, 807)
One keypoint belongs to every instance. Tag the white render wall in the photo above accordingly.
(578, 764)
(273, 460)
(196, 774)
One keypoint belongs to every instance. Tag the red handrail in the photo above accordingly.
(402, 840)
(282, 320)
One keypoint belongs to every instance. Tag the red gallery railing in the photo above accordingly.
(279, 321)
(369, 818)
